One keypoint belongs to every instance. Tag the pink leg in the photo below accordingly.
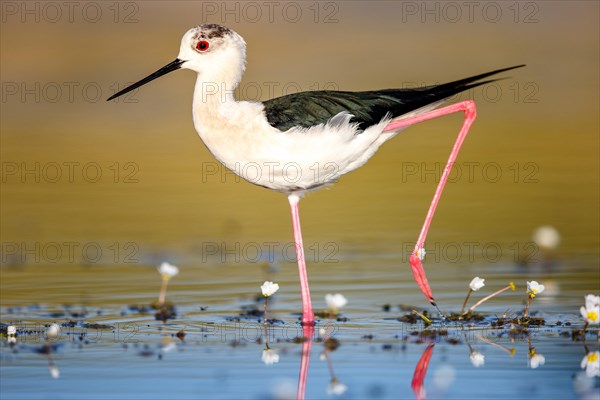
(468, 107)
(308, 316)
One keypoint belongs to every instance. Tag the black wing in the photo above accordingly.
(306, 109)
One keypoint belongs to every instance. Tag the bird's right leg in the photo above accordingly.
(468, 107)
(308, 316)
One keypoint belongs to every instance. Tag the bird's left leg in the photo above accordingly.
(468, 107)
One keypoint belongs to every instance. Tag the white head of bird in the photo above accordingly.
(215, 52)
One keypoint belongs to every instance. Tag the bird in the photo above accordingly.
(300, 142)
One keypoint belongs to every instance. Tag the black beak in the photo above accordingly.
(170, 67)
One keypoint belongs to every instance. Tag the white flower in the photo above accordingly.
(477, 359)
(335, 301)
(591, 311)
(167, 270)
(534, 288)
(270, 357)
(476, 284)
(592, 301)
(591, 363)
(336, 387)
(421, 253)
(536, 360)
(546, 237)
(269, 288)
(53, 331)
(11, 330)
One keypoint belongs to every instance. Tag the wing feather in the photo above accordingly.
(306, 109)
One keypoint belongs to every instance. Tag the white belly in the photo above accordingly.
(299, 159)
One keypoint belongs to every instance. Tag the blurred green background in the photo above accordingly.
(539, 128)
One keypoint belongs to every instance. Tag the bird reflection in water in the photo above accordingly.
(307, 336)
(418, 380)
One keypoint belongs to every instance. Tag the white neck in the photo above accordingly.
(212, 94)
(214, 89)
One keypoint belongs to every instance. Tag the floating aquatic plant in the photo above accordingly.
(52, 332)
(476, 284)
(167, 271)
(533, 289)
(423, 317)
(335, 302)
(268, 289)
(591, 311)
(11, 333)
(474, 306)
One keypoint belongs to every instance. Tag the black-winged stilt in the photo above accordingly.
(303, 141)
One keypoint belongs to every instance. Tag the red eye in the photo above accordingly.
(202, 45)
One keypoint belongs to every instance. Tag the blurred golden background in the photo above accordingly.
(76, 168)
